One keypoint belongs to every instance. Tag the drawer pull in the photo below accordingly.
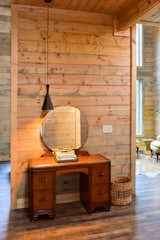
(99, 193)
(43, 199)
(101, 174)
(42, 180)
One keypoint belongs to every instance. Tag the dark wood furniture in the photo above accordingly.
(157, 152)
(94, 183)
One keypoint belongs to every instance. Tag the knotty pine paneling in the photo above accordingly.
(89, 68)
(5, 56)
(146, 73)
(157, 79)
(96, 6)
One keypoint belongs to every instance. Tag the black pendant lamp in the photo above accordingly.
(47, 104)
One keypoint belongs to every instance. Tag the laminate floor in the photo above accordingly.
(147, 165)
(139, 221)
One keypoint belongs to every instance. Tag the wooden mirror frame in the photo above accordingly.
(58, 115)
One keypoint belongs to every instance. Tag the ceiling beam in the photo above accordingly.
(150, 23)
(134, 12)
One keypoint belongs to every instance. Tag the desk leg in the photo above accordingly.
(37, 214)
(137, 151)
(93, 206)
(88, 195)
(42, 194)
(157, 157)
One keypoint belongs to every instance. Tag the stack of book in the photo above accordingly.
(65, 156)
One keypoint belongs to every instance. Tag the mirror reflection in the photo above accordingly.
(61, 129)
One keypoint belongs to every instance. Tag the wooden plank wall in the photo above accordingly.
(5, 56)
(157, 79)
(89, 68)
(146, 73)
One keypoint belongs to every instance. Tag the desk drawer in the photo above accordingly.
(100, 193)
(43, 200)
(43, 180)
(100, 174)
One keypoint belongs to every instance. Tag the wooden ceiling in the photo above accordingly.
(126, 12)
(98, 6)
(5, 3)
(152, 18)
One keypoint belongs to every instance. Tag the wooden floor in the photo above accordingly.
(4, 198)
(140, 221)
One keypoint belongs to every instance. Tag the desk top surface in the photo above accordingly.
(50, 162)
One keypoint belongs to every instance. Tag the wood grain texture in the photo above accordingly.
(14, 62)
(146, 73)
(156, 73)
(88, 68)
(133, 73)
(5, 3)
(94, 186)
(135, 11)
(152, 17)
(5, 56)
(101, 6)
(140, 220)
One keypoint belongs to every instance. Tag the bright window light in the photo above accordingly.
(139, 107)
(139, 44)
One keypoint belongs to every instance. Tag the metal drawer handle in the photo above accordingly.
(42, 180)
(101, 174)
(42, 199)
(99, 193)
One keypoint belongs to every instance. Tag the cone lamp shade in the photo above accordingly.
(47, 104)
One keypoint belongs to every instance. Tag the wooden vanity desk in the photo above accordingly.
(94, 183)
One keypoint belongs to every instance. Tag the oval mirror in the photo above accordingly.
(61, 128)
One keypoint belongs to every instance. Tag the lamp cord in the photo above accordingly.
(47, 35)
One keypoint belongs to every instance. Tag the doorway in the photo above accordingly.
(147, 99)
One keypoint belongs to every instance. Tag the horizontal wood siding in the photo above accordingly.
(157, 79)
(5, 56)
(88, 68)
(146, 73)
